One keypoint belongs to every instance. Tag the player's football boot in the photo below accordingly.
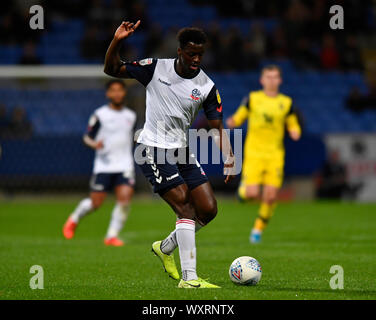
(115, 242)
(69, 228)
(199, 284)
(168, 261)
(255, 237)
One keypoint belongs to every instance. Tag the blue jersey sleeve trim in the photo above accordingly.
(142, 70)
(94, 126)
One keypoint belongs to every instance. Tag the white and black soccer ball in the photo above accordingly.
(245, 271)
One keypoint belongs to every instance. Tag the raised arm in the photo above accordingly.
(113, 65)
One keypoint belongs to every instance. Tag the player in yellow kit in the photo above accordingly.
(269, 113)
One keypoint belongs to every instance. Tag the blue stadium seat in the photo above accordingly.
(10, 54)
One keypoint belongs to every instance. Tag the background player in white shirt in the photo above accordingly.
(110, 134)
(175, 90)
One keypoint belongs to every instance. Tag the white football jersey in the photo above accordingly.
(172, 102)
(115, 129)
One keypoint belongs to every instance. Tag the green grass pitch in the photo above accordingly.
(301, 244)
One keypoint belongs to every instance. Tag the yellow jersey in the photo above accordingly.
(267, 117)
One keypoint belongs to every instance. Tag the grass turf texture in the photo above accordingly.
(301, 244)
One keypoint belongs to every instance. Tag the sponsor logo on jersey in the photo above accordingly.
(268, 118)
(164, 82)
(195, 94)
(218, 97)
(219, 109)
(145, 62)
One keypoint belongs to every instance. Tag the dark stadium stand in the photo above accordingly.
(58, 116)
(319, 96)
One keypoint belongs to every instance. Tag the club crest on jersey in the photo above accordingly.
(195, 94)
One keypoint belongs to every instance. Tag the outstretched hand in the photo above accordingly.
(126, 29)
(230, 123)
(294, 135)
(99, 145)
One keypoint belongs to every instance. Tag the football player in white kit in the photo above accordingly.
(175, 90)
(110, 134)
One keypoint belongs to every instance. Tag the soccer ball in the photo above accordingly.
(245, 271)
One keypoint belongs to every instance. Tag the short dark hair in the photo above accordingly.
(271, 67)
(191, 34)
(113, 81)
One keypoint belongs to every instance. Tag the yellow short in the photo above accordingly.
(265, 171)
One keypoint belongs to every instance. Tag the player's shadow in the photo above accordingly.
(344, 291)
